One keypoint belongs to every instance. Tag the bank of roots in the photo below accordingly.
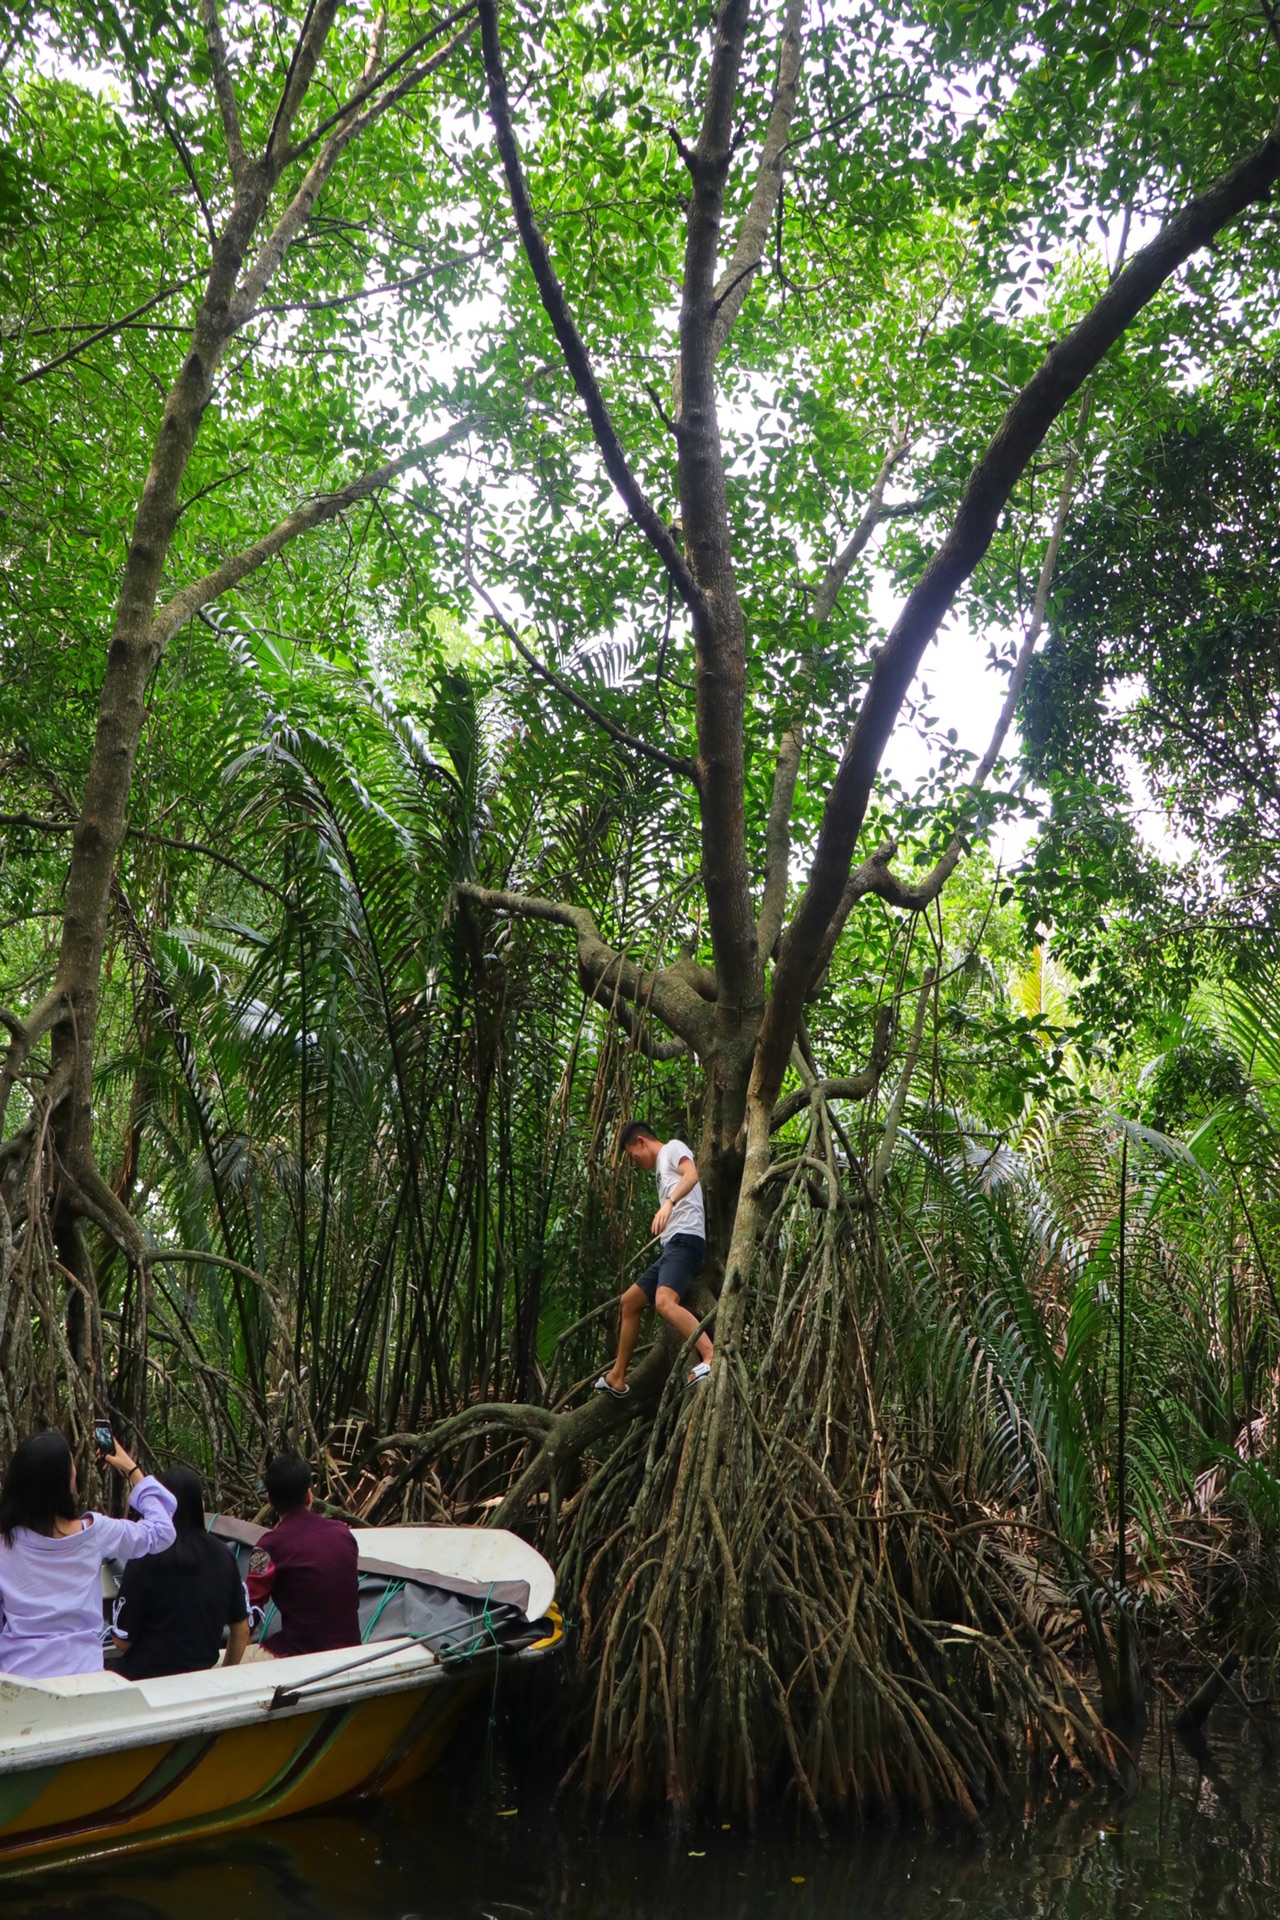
(777, 1591)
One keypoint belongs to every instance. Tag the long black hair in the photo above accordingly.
(37, 1489)
(188, 1551)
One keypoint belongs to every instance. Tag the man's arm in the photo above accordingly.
(237, 1641)
(237, 1615)
(685, 1184)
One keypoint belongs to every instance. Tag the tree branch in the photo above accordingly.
(674, 1003)
(299, 209)
(483, 1416)
(329, 302)
(302, 65)
(371, 86)
(223, 88)
(694, 974)
(23, 1036)
(855, 1086)
(43, 825)
(753, 235)
(298, 212)
(777, 865)
(411, 80)
(101, 333)
(636, 1027)
(551, 293)
(1064, 370)
(720, 639)
(777, 840)
(581, 1427)
(683, 769)
(187, 602)
(872, 514)
(873, 876)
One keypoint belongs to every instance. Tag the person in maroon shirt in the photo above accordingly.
(306, 1564)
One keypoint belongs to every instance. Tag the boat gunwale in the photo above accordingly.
(166, 1723)
(409, 1666)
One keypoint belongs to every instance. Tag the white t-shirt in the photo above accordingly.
(687, 1215)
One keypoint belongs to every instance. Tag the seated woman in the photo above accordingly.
(173, 1606)
(51, 1556)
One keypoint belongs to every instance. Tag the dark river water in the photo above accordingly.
(1191, 1840)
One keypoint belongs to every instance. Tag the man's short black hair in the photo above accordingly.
(288, 1476)
(635, 1130)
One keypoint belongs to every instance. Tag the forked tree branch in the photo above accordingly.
(187, 602)
(303, 62)
(298, 212)
(369, 86)
(633, 497)
(734, 283)
(407, 84)
(1065, 369)
(853, 1086)
(223, 88)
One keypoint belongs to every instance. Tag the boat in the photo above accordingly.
(97, 1765)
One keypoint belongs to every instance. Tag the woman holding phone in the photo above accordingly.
(51, 1556)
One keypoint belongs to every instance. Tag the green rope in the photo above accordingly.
(286, 1695)
(392, 1588)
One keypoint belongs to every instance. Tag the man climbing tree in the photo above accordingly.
(680, 1224)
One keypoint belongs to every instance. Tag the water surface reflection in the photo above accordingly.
(1189, 1844)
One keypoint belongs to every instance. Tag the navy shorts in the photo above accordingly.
(675, 1266)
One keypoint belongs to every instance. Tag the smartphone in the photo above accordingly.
(103, 1439)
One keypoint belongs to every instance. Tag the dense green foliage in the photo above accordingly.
(1164, 657)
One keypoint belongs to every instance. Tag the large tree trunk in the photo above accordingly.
(50, 1184)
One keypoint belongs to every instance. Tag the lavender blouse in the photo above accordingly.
(51, 1587)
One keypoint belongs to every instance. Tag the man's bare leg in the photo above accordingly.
(631, 1310)
(681, 1319)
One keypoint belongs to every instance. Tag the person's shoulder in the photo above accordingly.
(340, 1534)
(326, 1523)
(213, 1552)
(138, 1573)
(680, 1150)
(261, 1551)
